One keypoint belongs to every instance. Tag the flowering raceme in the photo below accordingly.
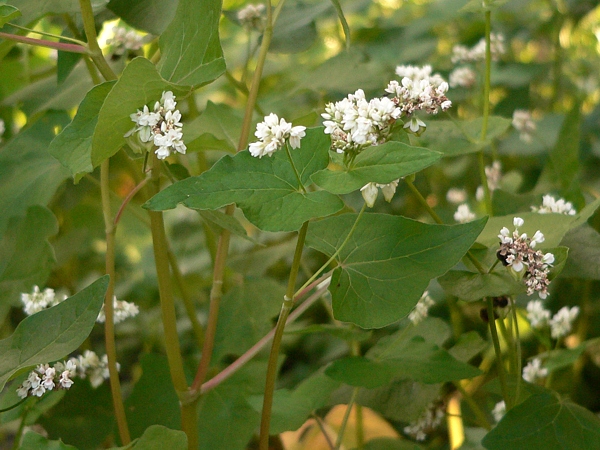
(273, 134)
(160, 127)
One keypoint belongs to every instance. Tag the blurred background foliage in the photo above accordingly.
(550, 68)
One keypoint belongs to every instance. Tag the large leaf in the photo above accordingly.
(295, 29)
(28, 174)
(53, 333)
(152, 16)
(385, 267)
(545, 421)
(453, 138)
(266, 189)
(190, 46)
(153, 400)
(26, 256)
(139, 85)
(73, 146)
(32, 10)
(378, 164)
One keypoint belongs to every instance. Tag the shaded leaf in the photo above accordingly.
(468, 346)
(8, 13)
(346, 333)
(34, 441)
(190, 46)
(584, 252)
(360, 371)
(73, 146)
(125, 98)
(545, 421)
(65, 326)
(295, 29)
(378, 164)
(560, 358)
(225, 221)
(152, 16)
(217, 128)
(266, 189)
(453, 138)
(388, 263)
(157, 437)
(470, 286)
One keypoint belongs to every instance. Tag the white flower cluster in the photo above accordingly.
(524, 124)
(426, 94)
(160, 127)
(456, 196)
(369, 191)
(464, 214)
(355, 123)
(551, 205)
(39, 300)
(45, 378)
(124, 39)
(499, 411)
(122, 310)
(462, 77)
(561, 323)
(93, 367)
(493, 174)
(533, 371)
(418, 73)
(461, 53)
(517, 252)
(252, 17)
(273, 133)
(429, 421)
(421, 309)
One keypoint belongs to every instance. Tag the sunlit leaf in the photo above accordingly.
(378, 164)
(190, 46)
(266, 189)
(388, 263)
(8, 13)
(545, 421)
(53, 333)
(128, 95)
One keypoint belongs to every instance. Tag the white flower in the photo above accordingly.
(551, 205)
(415, 125)
(493, 174)
(499, 411)
(272, 134)
(463, 214)
(421, 309)
(39, 300)
(456, 196)
(534, 371)
(38, 386)
(537, 315)
(518, 222)
(124, 39)
(369, 191)
(460, 53)
(463, 77)
(427, 422)
(523, 122)
(122, 310)
(538, 238)
(562, 322)
(252, 17)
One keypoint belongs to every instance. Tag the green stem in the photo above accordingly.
(438, 220)
(286, 307)
(62, 46)
(167, 304)
(109, 325)
(19, 434)
(324, 432)
(486, 109)
(487, 195)
(498, 351)
(337, 252)
(20, 402)
(43, 33)
(300, 185)
(481, 417)
(89, 26)
(342, 430)
(519, 355)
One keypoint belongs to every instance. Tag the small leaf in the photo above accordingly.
(545, 421)
(377, 164)
(8, 13)
(266, 189)
(127, 96)
(461, 137)
(388, 263)
(190, 46)
(52, 333)
(73, 146)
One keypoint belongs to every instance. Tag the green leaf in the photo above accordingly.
(65, 64)
(266, 189)
(360, 371)
(34, 441)
(391, 444)
(53, 333)
(246, 315)
(224, 221)
(377, 164)
(29, 175)
(8, 13)
(561, 358)
(453, 138)
(346, 333)
(480, 6)
(388, 263)
(468, 346)
(153, 400)
(584, 251)
(139, 85)
(157, 437)
(564, 157)
(26, 256)
(190, 46)
(73, 146)
(295, 29)
(218, 128)
(33, 10)
(152, 16)
(343, 21)
(470, 287)
(548, 422)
